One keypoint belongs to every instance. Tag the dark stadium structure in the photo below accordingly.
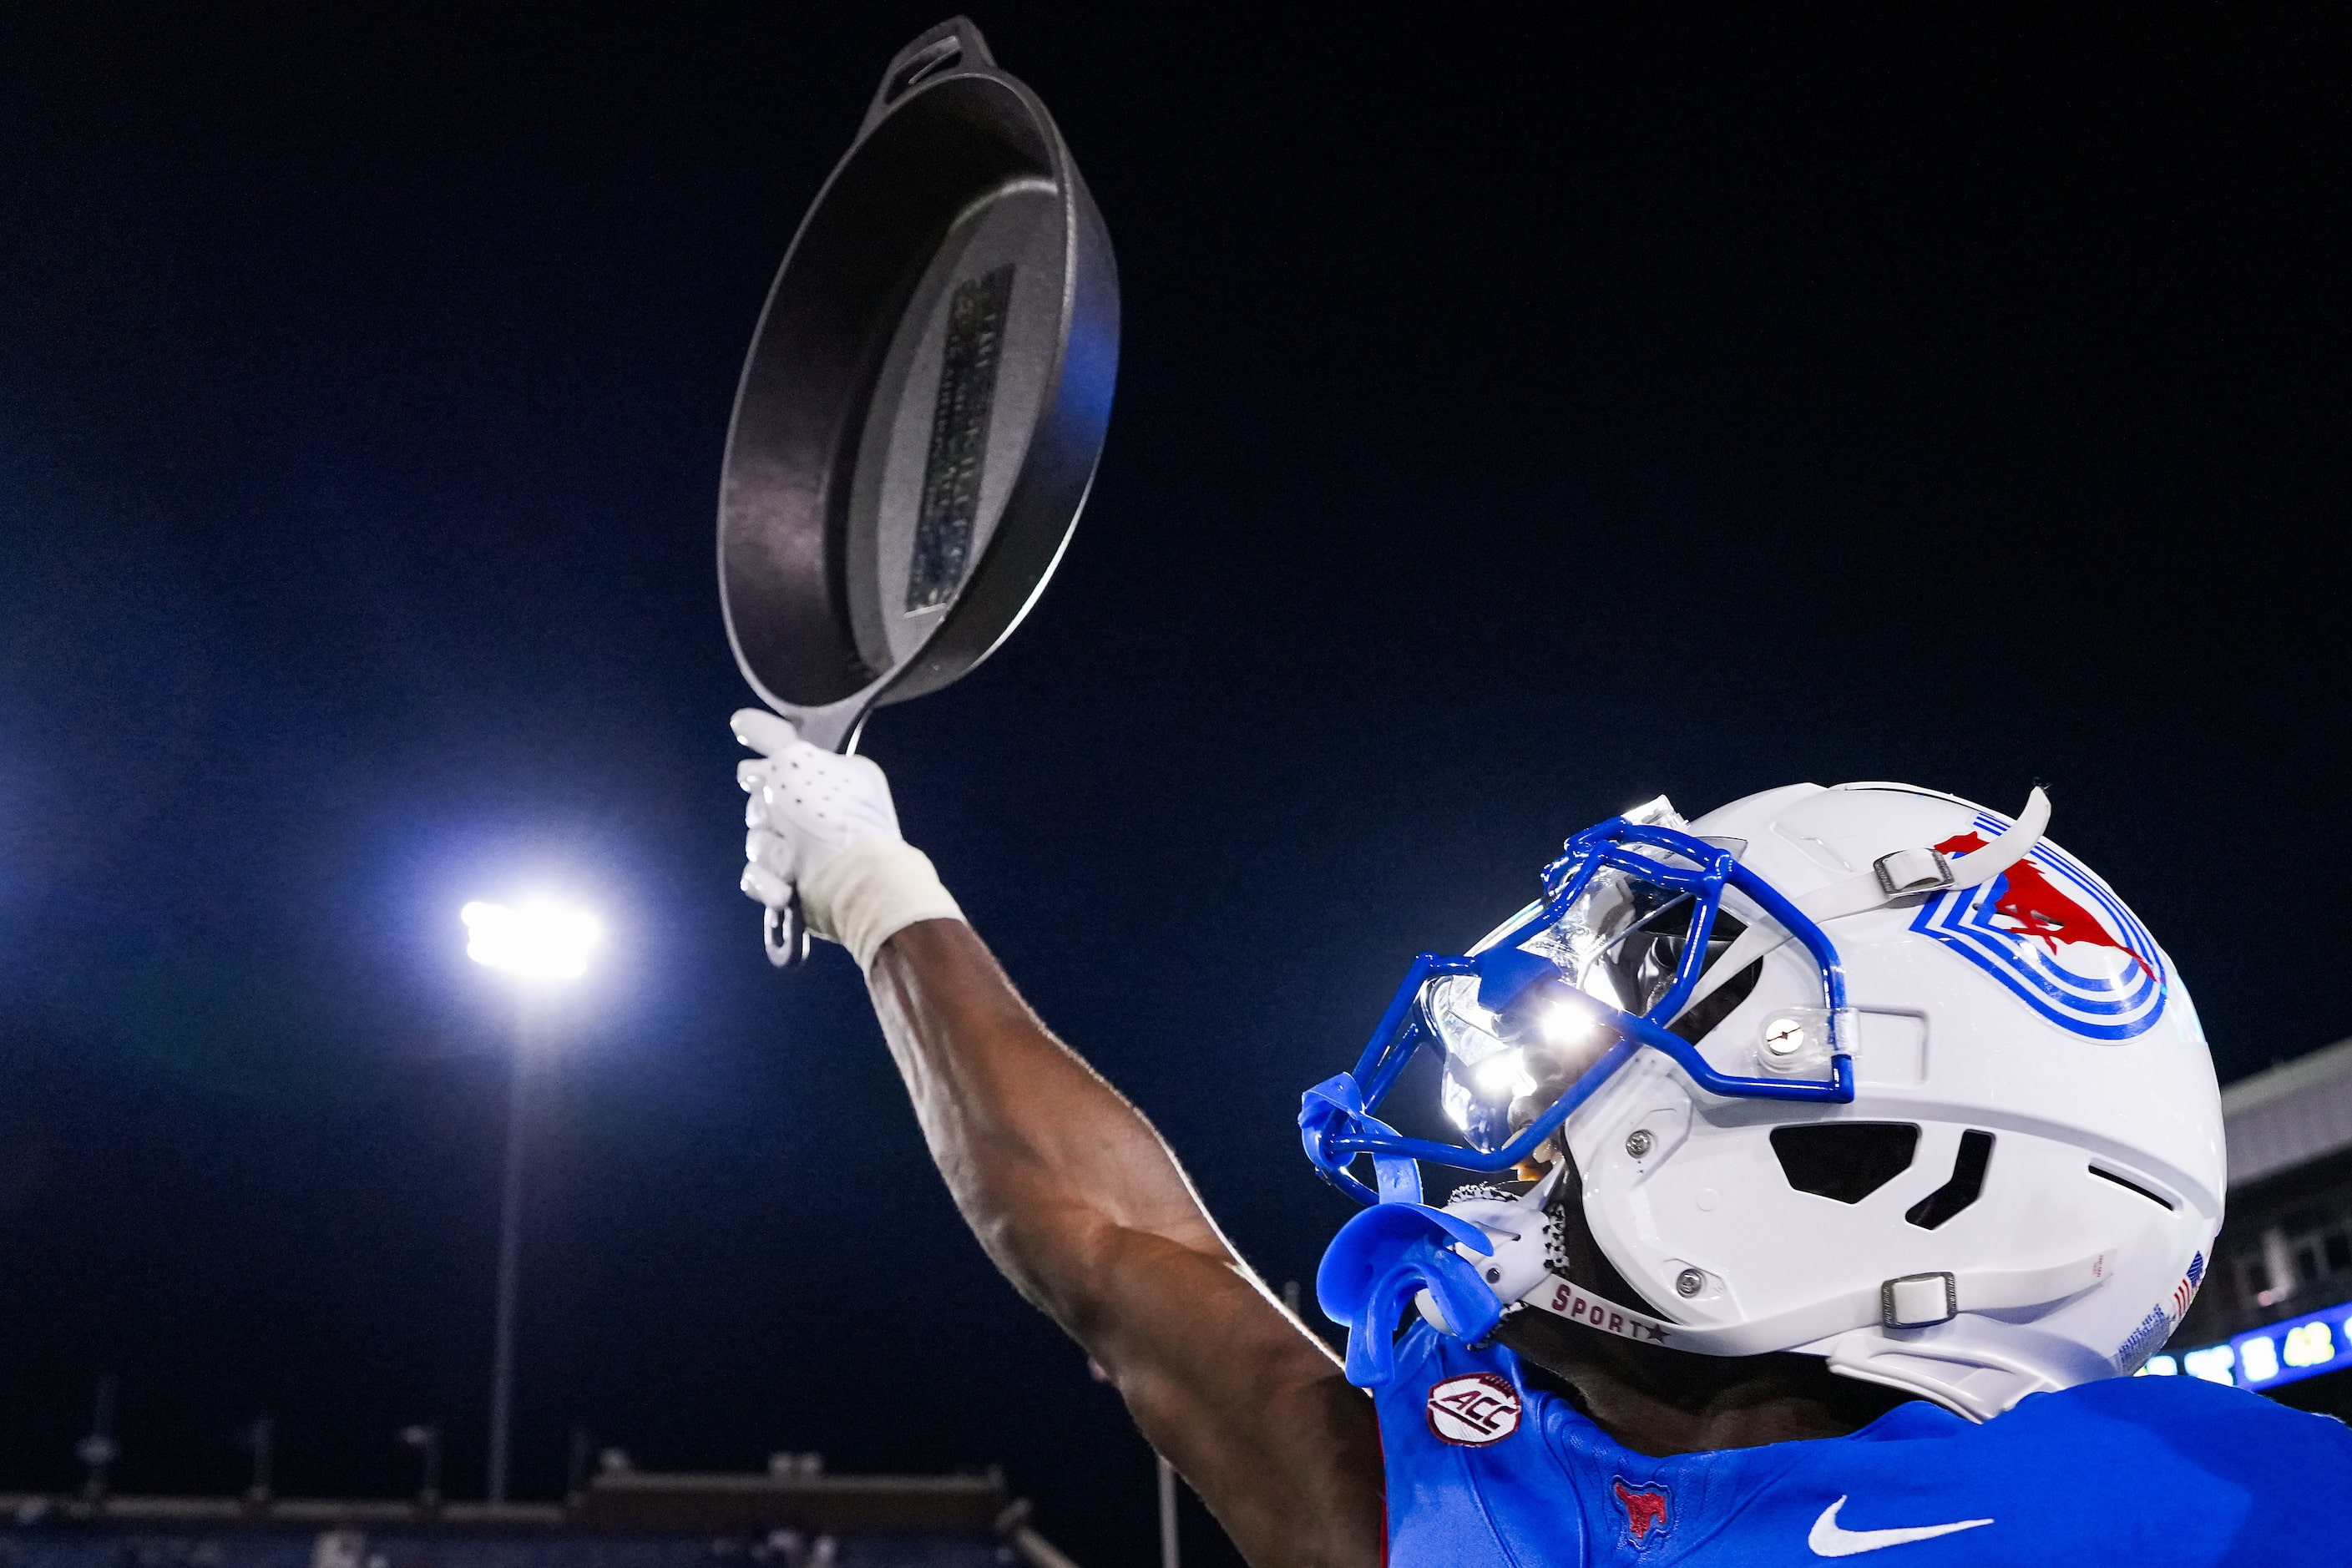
(791, 1518)
(2274, 1312)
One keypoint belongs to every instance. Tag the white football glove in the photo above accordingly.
(825, 823)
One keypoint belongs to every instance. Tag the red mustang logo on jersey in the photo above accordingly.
(1646, 1511)
(2041, 910)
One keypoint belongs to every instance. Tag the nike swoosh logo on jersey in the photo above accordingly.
(1828, 1540)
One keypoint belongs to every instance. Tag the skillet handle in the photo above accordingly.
(953, 45)
(785, 935)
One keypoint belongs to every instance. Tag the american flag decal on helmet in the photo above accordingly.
(2161, 1320)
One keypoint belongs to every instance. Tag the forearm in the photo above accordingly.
(1082, 1206)
(1057, 1174)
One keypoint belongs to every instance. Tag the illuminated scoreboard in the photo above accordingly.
(2270, 1356)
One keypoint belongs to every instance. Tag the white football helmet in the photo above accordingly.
(1866, 1072)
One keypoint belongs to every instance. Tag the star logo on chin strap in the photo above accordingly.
(1566, 1299)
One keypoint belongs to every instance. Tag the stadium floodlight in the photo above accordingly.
(536, 941)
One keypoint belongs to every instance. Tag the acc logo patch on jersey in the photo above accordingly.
(2056, 937)
(1474, 1410)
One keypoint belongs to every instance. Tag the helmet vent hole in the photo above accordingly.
(2130, 1187)
(1845, 1161)
(1968, 1181)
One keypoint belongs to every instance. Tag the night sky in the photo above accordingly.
(1518, 418)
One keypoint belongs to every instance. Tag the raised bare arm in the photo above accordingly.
(1087, 1213)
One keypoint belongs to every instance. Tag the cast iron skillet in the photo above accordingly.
(922, 407)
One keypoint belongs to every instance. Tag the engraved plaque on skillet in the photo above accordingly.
(959, 447)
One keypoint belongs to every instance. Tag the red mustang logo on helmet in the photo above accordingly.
(2032, 929)
(2042, 911)
(1644, 1511)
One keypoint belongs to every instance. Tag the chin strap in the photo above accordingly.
(1904, 874)
(1461, 1265)
(1911, 1301)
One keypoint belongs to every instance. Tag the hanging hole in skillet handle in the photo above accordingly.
(953, 43)
(931, 59)
(785, 935)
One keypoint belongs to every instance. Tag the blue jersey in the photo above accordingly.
(1486, 1472)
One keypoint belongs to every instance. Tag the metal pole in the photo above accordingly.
(575, 1474)
(427, 1441)
(99, 1449)
(509, 1260)
(1167, 1515)
(261, 1436)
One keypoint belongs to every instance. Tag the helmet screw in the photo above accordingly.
(1638, 1142)
(1689, 1282)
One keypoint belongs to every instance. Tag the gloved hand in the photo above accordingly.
(825, 823)
(807, 806)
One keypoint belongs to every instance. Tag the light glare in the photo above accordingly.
(538, 940)
(1505, 1072)
(2309, 1345)
(1567, 1026)
(2212, 1364)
